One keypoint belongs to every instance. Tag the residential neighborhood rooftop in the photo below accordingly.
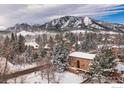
(33, 44)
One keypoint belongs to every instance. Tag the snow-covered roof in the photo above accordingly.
(112, 46)
(33, 44)
(116, 46)
(120, 66)
(82, 55)
(46, 46)
(79, 42)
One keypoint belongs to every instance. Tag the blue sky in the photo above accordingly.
(115, 18)
(41, 13)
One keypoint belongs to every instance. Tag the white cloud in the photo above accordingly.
(2, 27)
(3, 20)
(39, 6)
(53, 17)
(40, 13)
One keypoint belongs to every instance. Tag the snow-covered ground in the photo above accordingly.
(25, 33)
(15, 68)
(66, 77)
(120, 66)
(78, 31)
(109, 32)
(35, 77)
(90, 31)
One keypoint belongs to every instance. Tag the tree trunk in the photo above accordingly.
(42, 75)
(99, 79)
(4, 72)
(48, 75)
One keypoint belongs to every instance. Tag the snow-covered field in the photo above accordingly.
(90, 31)
(66, 77)
(25, 33)
(15, 68)
(35, 77)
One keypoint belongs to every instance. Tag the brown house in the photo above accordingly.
(80, 61)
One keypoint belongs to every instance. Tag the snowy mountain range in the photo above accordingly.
(68, 23)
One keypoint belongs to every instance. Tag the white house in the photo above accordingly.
(32, 44)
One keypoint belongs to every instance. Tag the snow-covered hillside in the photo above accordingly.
(68, 23)
(87, 21)
(36, 33)
(25, 33)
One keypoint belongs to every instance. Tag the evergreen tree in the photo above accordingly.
(88, 42)
(42, 52)
(77, 46)
(105, 41)
(13, 37)
(58, 37)
(28, 55)
(39, 40)
(80, 37)
(51, 42)
(67, 35)
(103, 63)
(6, 42)
(13, 46)
(99, 38)
(60, 59)
(72, 38)
(14, 50)
(21, 44)
(6, 48)
(44, 38)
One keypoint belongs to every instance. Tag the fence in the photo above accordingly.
(6, 77)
